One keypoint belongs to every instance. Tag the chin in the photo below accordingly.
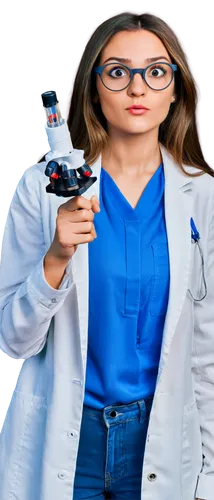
(137, 130)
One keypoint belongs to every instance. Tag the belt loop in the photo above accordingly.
(142, 408)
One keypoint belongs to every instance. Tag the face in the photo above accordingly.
(137, 46)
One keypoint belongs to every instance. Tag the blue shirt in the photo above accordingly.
(128, 294)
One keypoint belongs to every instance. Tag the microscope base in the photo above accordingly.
(84, 184)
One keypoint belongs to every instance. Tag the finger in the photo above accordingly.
(95, 204)
(77, 203)
(78, 239)
(94, 199)
(79, 228)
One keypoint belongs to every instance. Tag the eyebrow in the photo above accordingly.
(149, 59)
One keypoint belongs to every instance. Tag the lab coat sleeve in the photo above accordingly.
(27, 301)
(203, 368)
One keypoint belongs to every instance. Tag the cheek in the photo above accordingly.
(112, 107)
(161, 108)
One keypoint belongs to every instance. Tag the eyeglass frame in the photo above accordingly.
(133, 71)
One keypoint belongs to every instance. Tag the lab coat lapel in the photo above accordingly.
(178, 201)
(178, 211)
(79, 269)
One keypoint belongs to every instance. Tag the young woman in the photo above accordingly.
(115, 396)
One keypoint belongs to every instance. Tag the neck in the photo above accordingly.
(131, 154)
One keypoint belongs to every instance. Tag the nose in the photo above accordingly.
(138, 84)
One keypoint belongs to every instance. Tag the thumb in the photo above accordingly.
(95, 204)
(94, 199)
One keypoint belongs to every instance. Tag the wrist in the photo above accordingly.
(54, 257)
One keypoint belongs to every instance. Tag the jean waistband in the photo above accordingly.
(141, 407)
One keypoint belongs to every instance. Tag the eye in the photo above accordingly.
(118, 72)
(154, 70)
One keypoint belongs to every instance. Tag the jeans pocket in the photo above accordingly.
(160, 282)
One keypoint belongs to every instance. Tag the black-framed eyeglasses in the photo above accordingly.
(117, 76)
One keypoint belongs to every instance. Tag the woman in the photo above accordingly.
(138, 424)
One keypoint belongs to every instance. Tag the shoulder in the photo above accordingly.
(36, 172)
(34, 179)
(203, 184)
(203, 194)
(187, 174)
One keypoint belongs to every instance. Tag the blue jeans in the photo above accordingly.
(111, 451)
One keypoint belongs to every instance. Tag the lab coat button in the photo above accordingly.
(53, 301)
(63, 474)
(72, 434)
(152, 477)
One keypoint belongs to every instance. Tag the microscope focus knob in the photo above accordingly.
(52, 169)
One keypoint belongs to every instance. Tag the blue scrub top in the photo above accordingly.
(128, 294)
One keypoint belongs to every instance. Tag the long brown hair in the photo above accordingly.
(178, 132)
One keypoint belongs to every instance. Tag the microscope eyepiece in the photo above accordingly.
(49, 98)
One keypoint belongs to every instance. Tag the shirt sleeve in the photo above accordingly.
(203, 369)
(27, 301)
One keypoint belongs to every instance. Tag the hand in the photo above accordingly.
(74, 226)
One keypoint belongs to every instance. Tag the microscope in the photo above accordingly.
(63, 161)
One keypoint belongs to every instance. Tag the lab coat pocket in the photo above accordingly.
(21, 444)
(195, 283)
(191, 449)
(160, 283)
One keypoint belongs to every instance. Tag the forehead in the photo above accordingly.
(135, 45)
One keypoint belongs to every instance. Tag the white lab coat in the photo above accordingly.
(48, 328)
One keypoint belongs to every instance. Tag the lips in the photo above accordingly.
(137, 107)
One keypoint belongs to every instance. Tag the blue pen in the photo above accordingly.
(195, 233)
